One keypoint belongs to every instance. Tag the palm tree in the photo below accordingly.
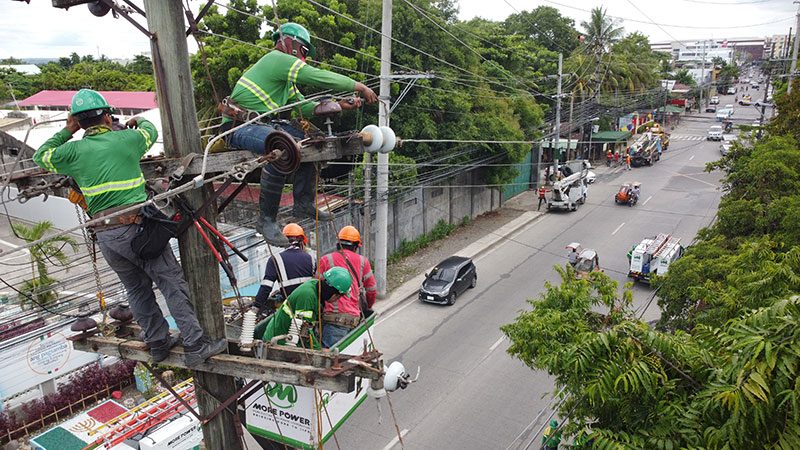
(39, 289)
(601, 31)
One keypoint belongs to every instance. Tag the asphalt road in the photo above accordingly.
(471, 394)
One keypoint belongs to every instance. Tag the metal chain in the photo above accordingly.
(105, 329)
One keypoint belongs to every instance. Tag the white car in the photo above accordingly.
(714, 100)
(715, 133)
(725, 148)
(731, 90)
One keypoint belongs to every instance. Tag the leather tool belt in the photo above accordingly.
(117, 221)
(340, 319)
(232, 110)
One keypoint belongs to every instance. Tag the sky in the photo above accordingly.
(37, 30)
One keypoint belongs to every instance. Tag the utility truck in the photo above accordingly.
(569, 191)
(653, 256)
(646, 150)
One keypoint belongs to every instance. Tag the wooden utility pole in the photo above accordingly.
(181, 135)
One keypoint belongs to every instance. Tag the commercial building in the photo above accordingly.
(695, 50)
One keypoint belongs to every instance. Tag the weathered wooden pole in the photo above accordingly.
(181, 136)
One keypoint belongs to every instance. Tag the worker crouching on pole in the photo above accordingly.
(105, 165)
(268, 85)
(297, 318)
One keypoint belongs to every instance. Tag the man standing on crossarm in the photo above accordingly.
(343, 315)
(299, 314)
(105, 165)
(268, 85)
(286, 270)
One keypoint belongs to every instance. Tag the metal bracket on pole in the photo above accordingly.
(412, 77)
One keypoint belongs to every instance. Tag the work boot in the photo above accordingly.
(305, 194)
(198, 353)
(269, 201)
(159, 350)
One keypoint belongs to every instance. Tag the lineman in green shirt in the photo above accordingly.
(552, 436)
(105, 165)
(268, 85)
(299, 314)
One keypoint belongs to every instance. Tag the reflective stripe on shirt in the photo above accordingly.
(282, 275)
(334, 303)
(91, 191)
(258, 92)
(299, 64)
(46, 160)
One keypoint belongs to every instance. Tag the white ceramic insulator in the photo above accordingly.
(248, 328)
(389, 140)
(294, 333)
(390, 380)
(377, 138)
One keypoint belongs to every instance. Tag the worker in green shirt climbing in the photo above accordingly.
(552, 436)
(105, 165)
(299, 314)
(268, 85)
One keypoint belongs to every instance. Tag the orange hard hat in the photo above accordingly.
(351, 234)
(294, 230)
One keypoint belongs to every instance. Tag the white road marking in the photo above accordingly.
(691, 158)
(397, 310)
(648, 199)
(620, 226)
(396, 439)
(499, 341)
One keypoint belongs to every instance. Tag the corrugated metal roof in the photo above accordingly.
(117, 99)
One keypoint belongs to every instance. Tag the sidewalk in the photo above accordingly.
(525, 201)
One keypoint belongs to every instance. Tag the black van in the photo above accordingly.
(448, 279)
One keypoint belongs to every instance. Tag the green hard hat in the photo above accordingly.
(298, 32)
(554, 423)
(89, 100)
(339, 278)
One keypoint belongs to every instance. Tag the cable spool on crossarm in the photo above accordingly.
(289, 160)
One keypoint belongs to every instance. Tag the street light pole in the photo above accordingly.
(794, 51)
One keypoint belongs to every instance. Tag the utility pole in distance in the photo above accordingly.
(794, 52)
(382, 181)
(558, 119)
(181, 137)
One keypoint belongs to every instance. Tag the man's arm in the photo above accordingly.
(267, 284)
(147, 130)
(369, 283)
(49, 156)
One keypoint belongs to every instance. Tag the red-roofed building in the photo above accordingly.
(126, 103)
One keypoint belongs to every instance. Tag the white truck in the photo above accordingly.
(653, 256)
(724, 114)
(569, 191)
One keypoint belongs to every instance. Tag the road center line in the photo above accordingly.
(499, 341)
(620, 226)
(648, 199)
(396, 439)
(691, 158)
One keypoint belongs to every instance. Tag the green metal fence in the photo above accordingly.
(522, 181)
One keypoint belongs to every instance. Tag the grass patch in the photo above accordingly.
(440, 231)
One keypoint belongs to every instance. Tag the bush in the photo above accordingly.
(440, 231)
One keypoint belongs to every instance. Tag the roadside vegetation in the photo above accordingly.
(720, 369)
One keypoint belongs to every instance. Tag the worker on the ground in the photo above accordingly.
(286, 270)
(573, 256)
(105, 165)
(268, 85)
(341, 316)
(542, 191)
(552, 436)
(299, 314)
(609, 157)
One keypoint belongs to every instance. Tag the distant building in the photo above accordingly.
(695, 50)
(126, 103)
(777, 46)
(27, 69)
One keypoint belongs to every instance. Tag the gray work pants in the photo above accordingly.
(138, 275)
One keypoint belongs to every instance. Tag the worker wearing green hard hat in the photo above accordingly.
(296, 320)
(298, 33)
(269, 85)
(87, 104)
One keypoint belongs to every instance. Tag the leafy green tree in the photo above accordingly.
(684, 77)
(11, 60)
(546, 27)
(141, 65)
(40, 286)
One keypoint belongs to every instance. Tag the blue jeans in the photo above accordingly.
(331, 334)
(252, 137)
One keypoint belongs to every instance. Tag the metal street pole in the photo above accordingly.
(794, 52)
(558, 119)
(382, 182)
(702, 76)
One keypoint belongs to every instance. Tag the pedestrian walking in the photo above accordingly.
(616, 158)
(105, 164)
(628, 162)
(542, 191)
(609, 157)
